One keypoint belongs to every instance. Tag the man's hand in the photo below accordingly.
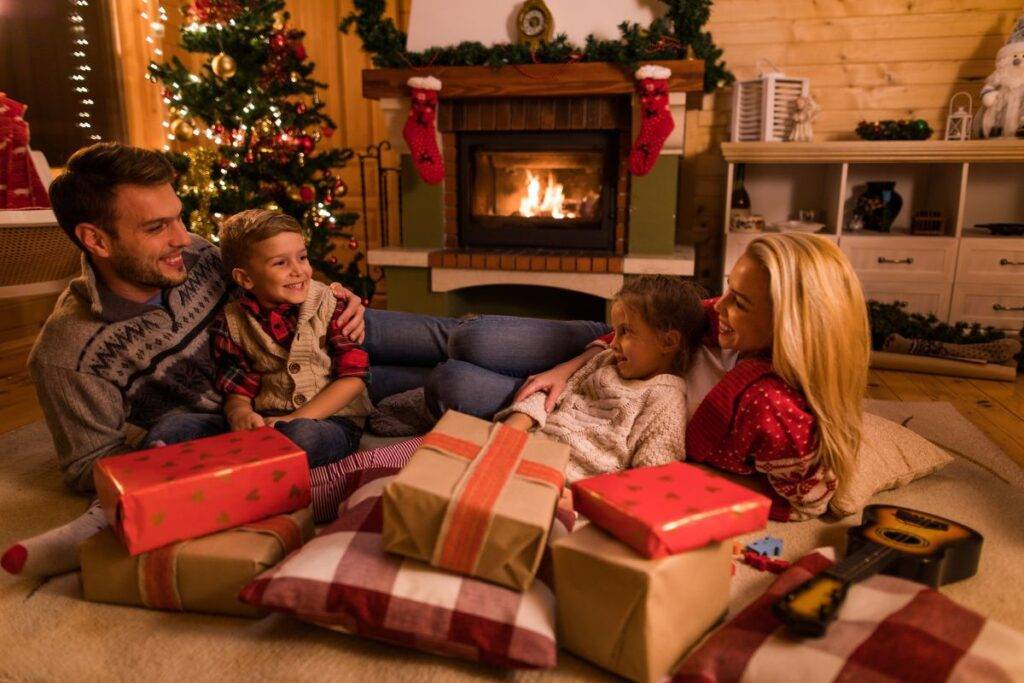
(351, 319)
(243, 419)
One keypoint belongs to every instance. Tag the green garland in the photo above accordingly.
(887, 319)
(666, 38)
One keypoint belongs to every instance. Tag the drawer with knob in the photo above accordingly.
(996, 261)
(901, 258)
(1001, 306)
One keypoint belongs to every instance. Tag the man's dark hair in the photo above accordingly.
(84, 192)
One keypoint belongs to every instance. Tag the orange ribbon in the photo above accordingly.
(471, 508)
(158, 569)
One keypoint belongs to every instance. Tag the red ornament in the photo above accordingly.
(167, 93)
(328, 197)
(299, 51)
(278, 41)
(333, 260)
(250, 157)
(305, 144)
(300, 108)
(353, 244)
(327, 131)
(217, 129)
(340, 188)
(308, 193)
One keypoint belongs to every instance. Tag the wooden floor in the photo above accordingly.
(997, 408)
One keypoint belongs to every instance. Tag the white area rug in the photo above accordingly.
(50, 633)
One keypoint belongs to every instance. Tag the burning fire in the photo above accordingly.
(550, 205)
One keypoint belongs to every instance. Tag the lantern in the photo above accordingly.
(762, 109)
(958, 124)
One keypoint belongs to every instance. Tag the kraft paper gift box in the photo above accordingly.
(477, 498)
(668, 509)
(632, 615)
(199, 575)
(156, 497)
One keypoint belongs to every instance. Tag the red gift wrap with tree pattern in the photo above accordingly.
(665, 510)
(164, 495)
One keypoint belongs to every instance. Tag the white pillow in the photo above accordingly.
(890, 456)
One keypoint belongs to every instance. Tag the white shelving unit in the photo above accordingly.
(965, 273)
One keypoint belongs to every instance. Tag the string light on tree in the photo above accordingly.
(80, 68)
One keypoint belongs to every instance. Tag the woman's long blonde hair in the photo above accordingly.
(821, 340)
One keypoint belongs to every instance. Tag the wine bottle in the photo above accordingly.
(739, 203)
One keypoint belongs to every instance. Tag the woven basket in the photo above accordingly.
(36, 253)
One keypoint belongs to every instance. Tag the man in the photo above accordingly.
(127, 341)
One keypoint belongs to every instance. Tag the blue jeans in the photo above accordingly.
(474, 364)
(325, 441)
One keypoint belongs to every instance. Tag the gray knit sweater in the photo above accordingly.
(103, 365)
(610, 423)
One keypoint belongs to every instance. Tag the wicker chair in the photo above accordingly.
(36, 257)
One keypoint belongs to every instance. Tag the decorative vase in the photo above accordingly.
(879, 205)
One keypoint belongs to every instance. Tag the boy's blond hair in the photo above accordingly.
(241, 232)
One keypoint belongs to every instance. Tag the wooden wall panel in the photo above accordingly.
(866, 59)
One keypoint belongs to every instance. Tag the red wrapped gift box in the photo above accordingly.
(165, 495)
(661, 511)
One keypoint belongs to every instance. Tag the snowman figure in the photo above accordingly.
(1002, 96)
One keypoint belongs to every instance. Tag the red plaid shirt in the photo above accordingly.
(234, 371)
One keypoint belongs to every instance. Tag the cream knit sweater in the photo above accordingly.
(611, 423)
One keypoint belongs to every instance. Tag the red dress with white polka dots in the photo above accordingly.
(753, 421)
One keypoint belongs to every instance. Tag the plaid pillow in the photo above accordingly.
(888, 629)
(332, 484)
(343, 580)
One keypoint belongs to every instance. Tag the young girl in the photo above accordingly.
(780, 385)
(622, 409)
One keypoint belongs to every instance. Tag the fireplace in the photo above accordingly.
(547, 189)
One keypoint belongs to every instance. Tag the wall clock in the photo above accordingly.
(534, 23)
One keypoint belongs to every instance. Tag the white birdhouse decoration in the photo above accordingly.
(763, 108)
(958, 123)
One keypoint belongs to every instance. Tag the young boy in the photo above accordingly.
(281, 357)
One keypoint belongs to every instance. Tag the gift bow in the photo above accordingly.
(158, 569)
(471, 508)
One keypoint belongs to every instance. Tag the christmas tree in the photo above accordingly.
(255, 117)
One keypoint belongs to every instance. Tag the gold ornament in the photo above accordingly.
(182, 129)
(224, 65)
(279, 20)
(199, 178)
(315, 135)
(294, 194)
(294, 77)
(271, 206)
(301, 158)
(264, 127)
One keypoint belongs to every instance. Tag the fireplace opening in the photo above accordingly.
(553, 190)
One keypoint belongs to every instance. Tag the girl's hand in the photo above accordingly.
(241, 420)
(351, 319)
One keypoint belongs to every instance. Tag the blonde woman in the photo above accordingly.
(779, 387)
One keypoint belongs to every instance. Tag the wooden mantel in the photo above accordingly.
(530, 80)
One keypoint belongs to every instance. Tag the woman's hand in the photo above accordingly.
(351, 319)
(553, 381)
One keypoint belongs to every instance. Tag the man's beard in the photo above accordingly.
(142, 272)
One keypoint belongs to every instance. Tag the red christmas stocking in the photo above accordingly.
(655, 120)
(420, 132)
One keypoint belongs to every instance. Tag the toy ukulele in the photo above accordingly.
(915, 545)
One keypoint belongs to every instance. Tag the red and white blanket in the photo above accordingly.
(888, 629)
